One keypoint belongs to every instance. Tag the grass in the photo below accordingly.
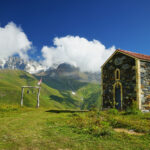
(53, 95)
(87, 93)
(10, 92)
(91, 94)
(140, 122)
(36, 129)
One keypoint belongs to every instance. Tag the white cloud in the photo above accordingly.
(88, 55)
(13, 41)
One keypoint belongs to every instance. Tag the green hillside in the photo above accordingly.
(89, 94)
(63, 83)
(10, 92)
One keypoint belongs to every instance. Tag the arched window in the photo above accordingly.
(117, 74)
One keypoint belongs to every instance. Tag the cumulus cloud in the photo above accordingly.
(88, 55)
(13, 41)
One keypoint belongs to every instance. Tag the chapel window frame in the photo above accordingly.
(117, 74)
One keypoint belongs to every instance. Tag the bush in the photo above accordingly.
(93, 108)
(91, 123)
(133, 109)
(7, 108)
(113, 111)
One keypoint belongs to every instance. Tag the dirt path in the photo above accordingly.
(131, 132)
(36, 129)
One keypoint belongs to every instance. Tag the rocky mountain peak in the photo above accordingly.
(20, 64)
(65, 67)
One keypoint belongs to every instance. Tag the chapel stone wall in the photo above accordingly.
(127, 68)
(145, 84)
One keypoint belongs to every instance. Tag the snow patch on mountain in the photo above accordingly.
(73, 93)
(20, 64)
(2, 63)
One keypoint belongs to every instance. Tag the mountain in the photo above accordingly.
(62, 70)
(67, 71)
(84, 86)
(65, 86)
(11, 82)
(91, 96)
(14, 63)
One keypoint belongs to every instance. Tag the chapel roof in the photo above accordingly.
(131, 54)
(136, 55)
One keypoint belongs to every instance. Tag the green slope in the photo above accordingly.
(10, 92)
(89, 94)
(63, 83)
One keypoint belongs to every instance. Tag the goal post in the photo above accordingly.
(38, 94)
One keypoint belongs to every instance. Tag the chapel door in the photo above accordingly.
(118, 97)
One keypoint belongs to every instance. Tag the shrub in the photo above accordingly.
(113, 111)
(93, 108)
(91, 123)
(6, 108)
(132, 109)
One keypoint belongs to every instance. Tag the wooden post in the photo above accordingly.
(38, 95)
(38, 98)
(22, 96)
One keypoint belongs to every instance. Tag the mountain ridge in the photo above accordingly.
(68, 86)
(37, 68)
(16, 63)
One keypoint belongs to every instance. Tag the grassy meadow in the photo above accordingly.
(10, 92)
(60, 123)
(52, 95)
(37, 129)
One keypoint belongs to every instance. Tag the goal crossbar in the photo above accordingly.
(38, 94)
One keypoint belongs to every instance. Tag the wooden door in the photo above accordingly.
(118, 97)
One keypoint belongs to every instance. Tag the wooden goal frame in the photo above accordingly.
(38, 95)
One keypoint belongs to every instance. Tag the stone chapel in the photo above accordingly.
(125, 78)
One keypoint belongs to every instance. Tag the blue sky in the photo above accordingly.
(122, 23)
